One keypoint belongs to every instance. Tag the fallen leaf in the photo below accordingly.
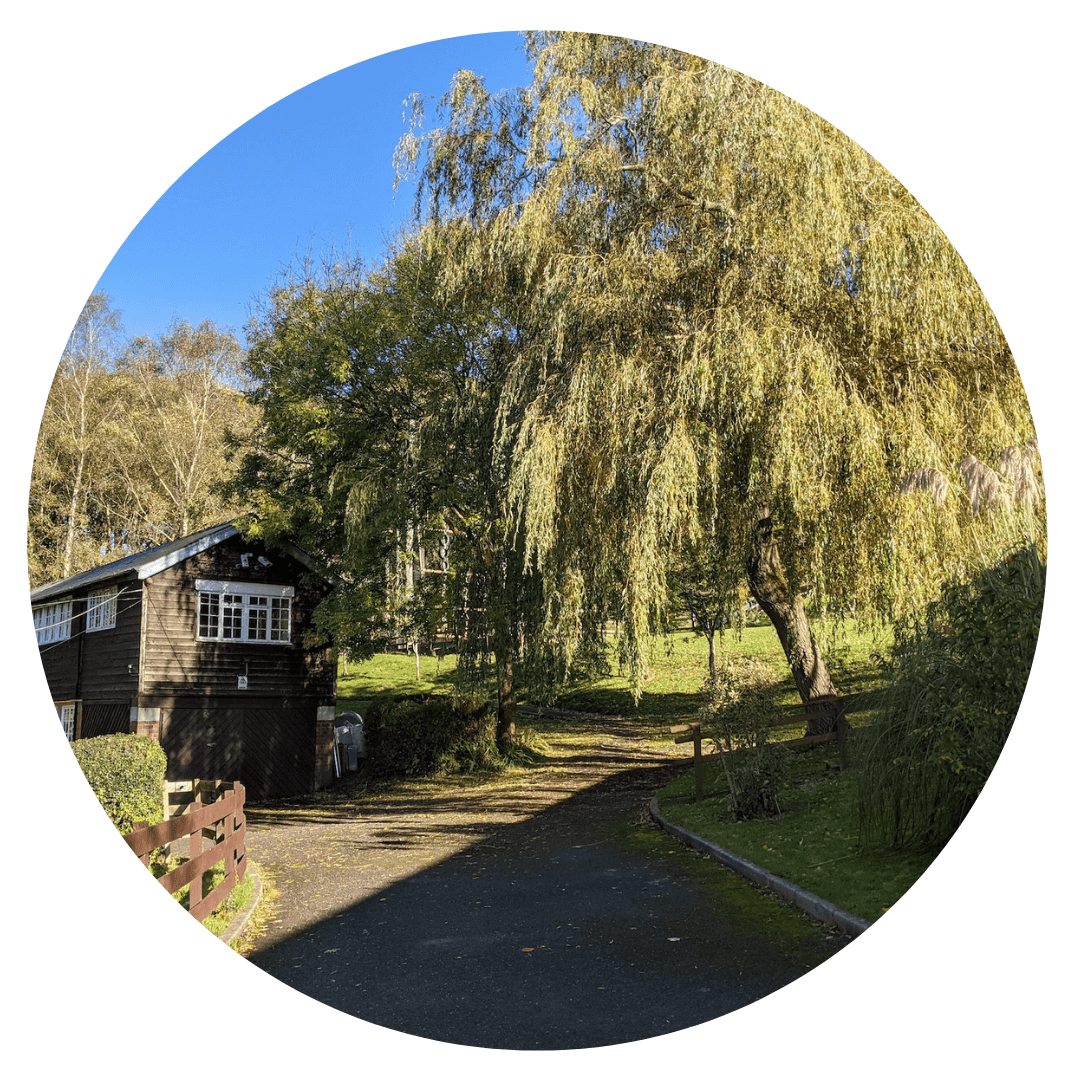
(527, 949)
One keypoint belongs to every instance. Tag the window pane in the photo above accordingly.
(280, 612)
(53, 622)
(101, 610)
(209, 612)
(67, 718)
(232, 616)
(257, 612)
(239, 616)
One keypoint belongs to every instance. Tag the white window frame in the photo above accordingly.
(52, 621)
(68, 712)
(101, 610)
(230, 611)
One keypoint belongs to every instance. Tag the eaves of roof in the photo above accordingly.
(144, 563)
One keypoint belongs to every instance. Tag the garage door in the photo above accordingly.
(270, 750)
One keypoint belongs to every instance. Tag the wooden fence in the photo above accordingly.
(832, 709)
(222, 822)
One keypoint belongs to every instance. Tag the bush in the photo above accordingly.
(127, 774)
(740, 703)
(416, 735)
(957, 674)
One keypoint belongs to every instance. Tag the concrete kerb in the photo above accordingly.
(805, 901)
(240, 921)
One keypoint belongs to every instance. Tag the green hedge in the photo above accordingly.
(127, 774)
(958, 672)
(418, 735)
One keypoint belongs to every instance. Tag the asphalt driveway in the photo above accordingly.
(548, 914)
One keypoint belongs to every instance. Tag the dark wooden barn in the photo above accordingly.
(198, 643)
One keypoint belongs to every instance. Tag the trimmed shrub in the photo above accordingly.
(740, 702)
(416, 735)
(957, 674)
(127, 774)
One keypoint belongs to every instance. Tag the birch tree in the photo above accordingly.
(74, 445)
(184, 393)
(131, 449)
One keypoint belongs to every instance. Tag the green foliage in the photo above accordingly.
(378, 392)
(417, 735)
(958, 672)
(127, 773)
(741, 701)
(220, 919)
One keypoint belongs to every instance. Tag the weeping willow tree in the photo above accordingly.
(734, 325)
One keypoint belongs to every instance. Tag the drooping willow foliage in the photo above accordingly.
(957, 675)
(731, 322)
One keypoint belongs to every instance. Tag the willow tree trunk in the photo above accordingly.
(504, 724)
(770, 588)
(507, 640)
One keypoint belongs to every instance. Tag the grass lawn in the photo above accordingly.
(672, 693)
(679, 665)
(387, 675)
(813, 843)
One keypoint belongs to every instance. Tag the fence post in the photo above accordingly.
(692, 733)
(230, 831)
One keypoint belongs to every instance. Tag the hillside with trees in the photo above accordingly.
(131, 447)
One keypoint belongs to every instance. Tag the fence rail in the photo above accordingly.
(832, 709)
(222, 822)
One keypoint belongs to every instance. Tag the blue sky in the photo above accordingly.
(312, 169)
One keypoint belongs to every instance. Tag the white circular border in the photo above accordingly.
(391, 42)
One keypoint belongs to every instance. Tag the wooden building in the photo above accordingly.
(199, 644)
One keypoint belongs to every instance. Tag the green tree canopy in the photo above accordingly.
(732, 321)
(376, 450)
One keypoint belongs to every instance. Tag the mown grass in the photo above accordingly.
(672, 694)
(679, 666)
(814, 842)
(388, 675)
(673, 691)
